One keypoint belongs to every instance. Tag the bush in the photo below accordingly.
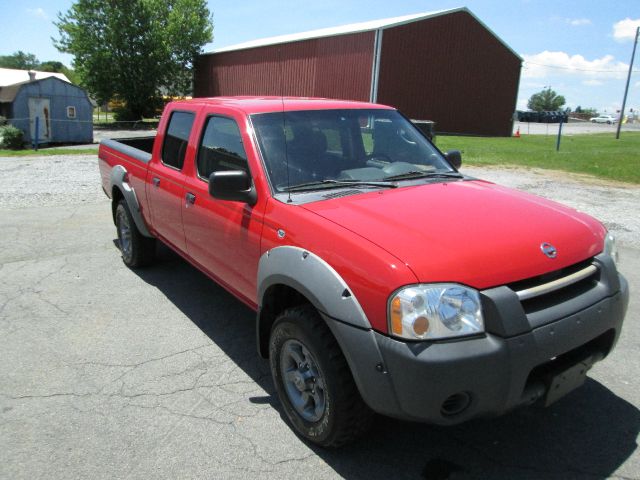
(11, 137)
(123, 114)
(3, 121)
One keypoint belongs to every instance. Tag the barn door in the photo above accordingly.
(39, 108)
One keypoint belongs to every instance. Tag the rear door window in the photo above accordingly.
(176, 139)
(221, 148)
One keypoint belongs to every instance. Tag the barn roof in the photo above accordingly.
(355, 28)
(11, 76)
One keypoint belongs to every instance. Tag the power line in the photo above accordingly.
(578, 69)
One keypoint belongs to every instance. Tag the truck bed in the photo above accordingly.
(136, 147)
(133, 154)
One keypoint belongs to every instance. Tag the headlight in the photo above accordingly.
(610, 247)
(435, 311)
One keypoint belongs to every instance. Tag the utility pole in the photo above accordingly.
(626, 89)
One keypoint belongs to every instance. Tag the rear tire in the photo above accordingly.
(137, 250)
(313, 380)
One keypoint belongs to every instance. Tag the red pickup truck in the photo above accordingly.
(384, 280)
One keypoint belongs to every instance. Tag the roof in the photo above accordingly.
(354, 28)
(266, 104)
(8, 93)
(10, 76)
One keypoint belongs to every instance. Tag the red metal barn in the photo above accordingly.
(444, 66)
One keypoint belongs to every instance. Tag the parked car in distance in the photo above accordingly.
(542, 117)
(604, 119)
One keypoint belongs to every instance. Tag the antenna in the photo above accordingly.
(284, 123)
(286, 146)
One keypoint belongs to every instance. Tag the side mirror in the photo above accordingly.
(233, 185)
(454, 157)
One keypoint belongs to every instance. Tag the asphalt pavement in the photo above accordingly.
(112, 373)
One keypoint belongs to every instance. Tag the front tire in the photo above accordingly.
(137, 250)
(313, 380)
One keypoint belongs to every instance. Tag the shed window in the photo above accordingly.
(71, 112)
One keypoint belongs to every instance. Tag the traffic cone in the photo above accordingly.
(517, 134)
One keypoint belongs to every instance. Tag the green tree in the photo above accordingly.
(547, 99)
(51, 66)
(20, 61)
(59, 67)
(135, 50)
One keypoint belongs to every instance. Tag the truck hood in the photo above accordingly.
(470, 232)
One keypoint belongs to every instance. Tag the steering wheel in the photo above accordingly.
(403, 134)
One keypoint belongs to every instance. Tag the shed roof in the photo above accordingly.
(354, 28)
(8, 93)
(11, 76)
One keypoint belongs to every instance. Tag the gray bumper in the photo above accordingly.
(488, 375)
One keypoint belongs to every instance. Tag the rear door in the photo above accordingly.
(223, 237)
(165, 187)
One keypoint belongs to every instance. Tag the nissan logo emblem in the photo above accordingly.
(549, 250)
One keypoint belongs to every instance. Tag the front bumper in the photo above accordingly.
(450, 382)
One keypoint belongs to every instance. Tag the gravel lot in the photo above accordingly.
(74, 180)
(110, 373)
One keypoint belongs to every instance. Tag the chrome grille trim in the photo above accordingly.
(557, 284)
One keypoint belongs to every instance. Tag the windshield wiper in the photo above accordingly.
(328, 183)
(418, 174)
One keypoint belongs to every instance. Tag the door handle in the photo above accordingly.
(191, 198)
(156, 181)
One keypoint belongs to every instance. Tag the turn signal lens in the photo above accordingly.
(396, 316)
(610, 247)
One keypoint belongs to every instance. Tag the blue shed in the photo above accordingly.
(63, 111)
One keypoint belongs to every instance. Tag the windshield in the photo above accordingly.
(341, 147)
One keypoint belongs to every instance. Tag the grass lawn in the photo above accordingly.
(49, 151)
(600, 155)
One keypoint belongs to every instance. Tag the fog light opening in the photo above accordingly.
(455, 404)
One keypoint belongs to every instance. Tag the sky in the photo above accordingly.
(580, 48)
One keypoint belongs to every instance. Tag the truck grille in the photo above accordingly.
(553, 285)
(553, 288)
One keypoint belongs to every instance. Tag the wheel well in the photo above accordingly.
(116, 196)
(276, 299)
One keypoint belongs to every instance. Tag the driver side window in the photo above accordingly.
(221, 148)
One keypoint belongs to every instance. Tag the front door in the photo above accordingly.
(223, 237)
(40, 120)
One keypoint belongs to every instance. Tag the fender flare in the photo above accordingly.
(119, 180)
(314, 278)
(327, 291)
